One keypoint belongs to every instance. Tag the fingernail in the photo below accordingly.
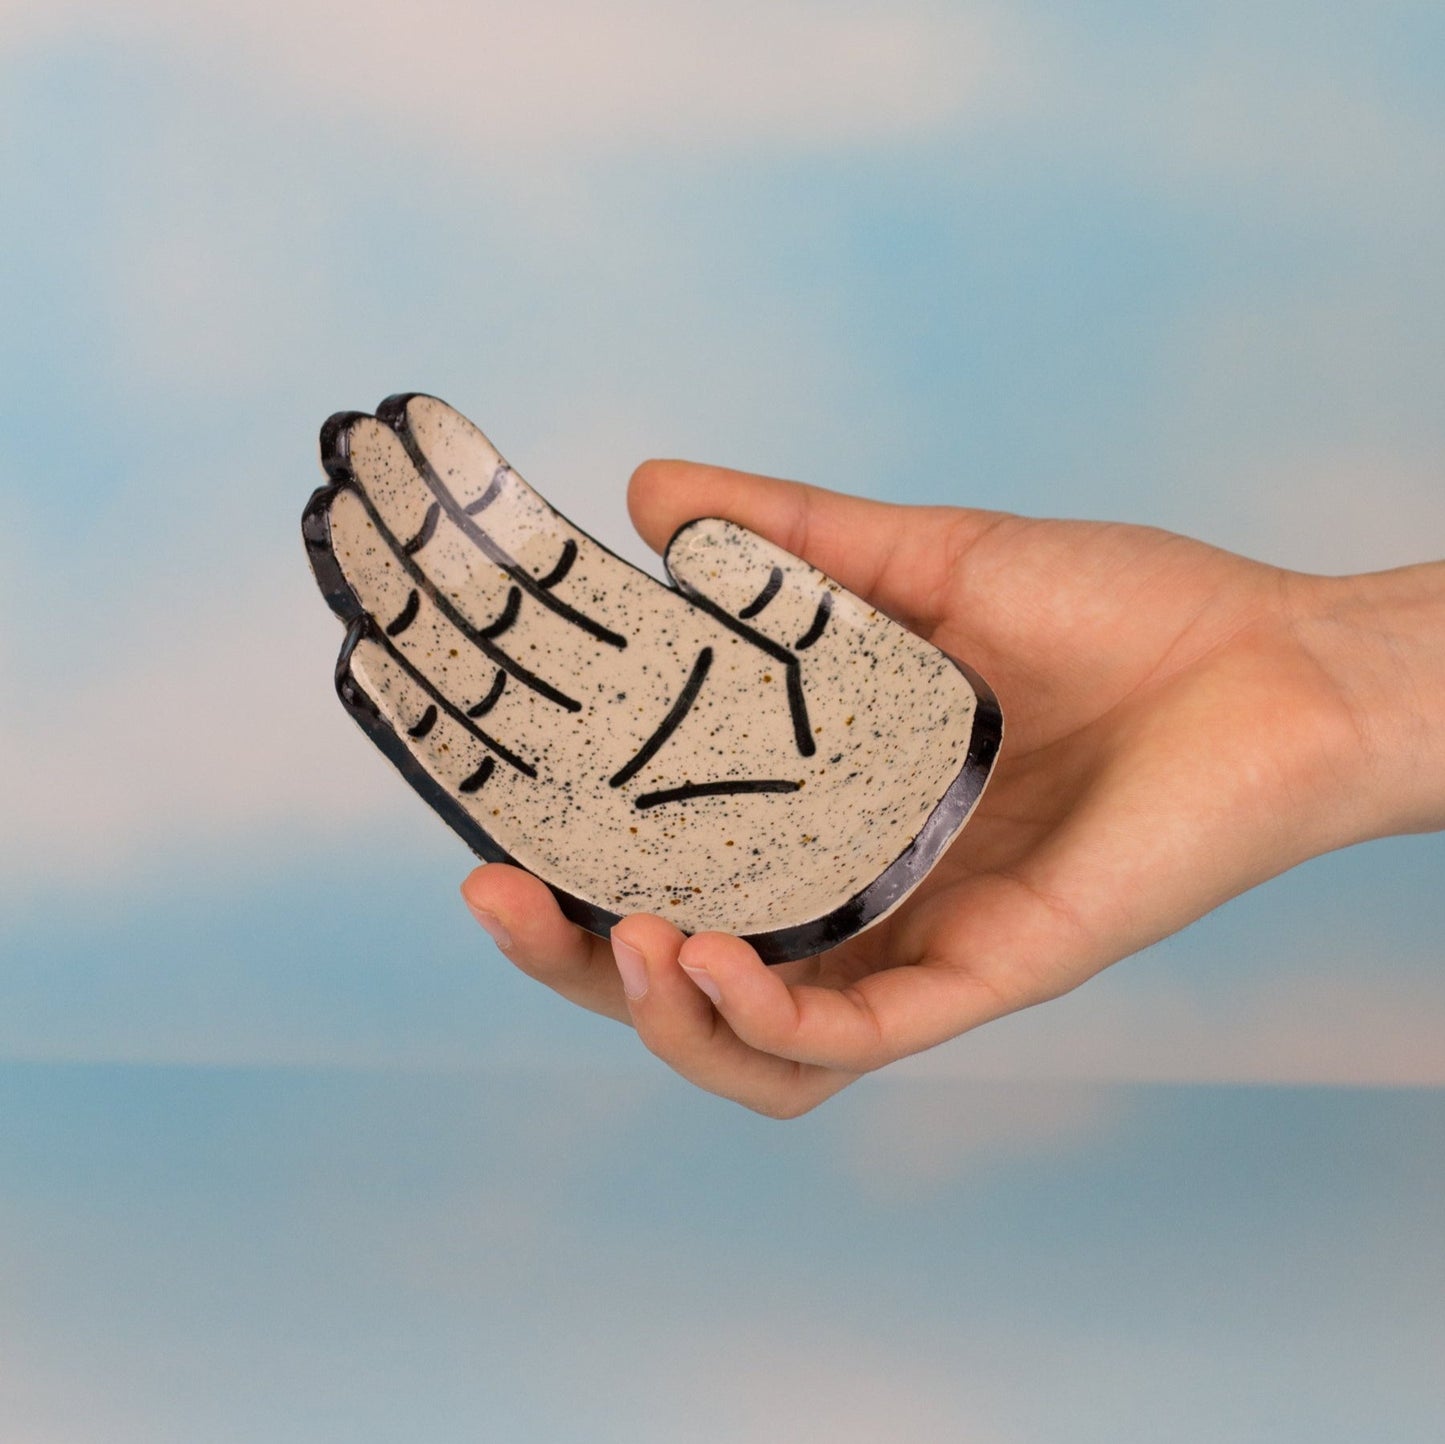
(705, 981)
(631, 966)
(493, 924)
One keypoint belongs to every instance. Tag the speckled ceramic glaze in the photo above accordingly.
(752, 750)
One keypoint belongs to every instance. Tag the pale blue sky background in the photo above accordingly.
(287, 1151)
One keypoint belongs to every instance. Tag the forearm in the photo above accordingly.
(1380, 639)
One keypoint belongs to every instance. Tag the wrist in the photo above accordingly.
(1379, 641)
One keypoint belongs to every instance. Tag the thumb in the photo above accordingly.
(779, 596)
(897, 557)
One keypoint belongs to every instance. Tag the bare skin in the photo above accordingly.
(1181, 724)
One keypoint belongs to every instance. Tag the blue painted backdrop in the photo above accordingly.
(287, 1151)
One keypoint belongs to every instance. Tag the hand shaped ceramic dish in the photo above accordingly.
(751, 750)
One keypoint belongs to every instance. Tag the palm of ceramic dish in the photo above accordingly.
(746, 751)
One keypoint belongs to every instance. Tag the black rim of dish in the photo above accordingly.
(780, 945)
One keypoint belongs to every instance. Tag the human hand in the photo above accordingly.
(1183, 724)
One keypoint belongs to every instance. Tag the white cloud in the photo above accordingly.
(774, 1354)
(1304, 1029)
(906, 1137)
(804, 1379)
(1339, 510)
(1303, 422)
(207, 714)
(512, 77)
(1235, 95)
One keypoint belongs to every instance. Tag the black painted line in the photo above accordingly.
(769, 591)
(480, 709)
(454, 712)
(428, 721)
(798, 706)
(488, 545)
(494, 653)
(428, 529)
(529, 678)
(493, 491)
(714, 789)
(670, 723)
(797, 702)
(564, 565)
(474, 782)
(406, 616)
(820, 620)
(509, 615)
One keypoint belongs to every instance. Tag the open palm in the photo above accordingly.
(1169, 741)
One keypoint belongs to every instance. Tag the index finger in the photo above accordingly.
(877, 1020)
